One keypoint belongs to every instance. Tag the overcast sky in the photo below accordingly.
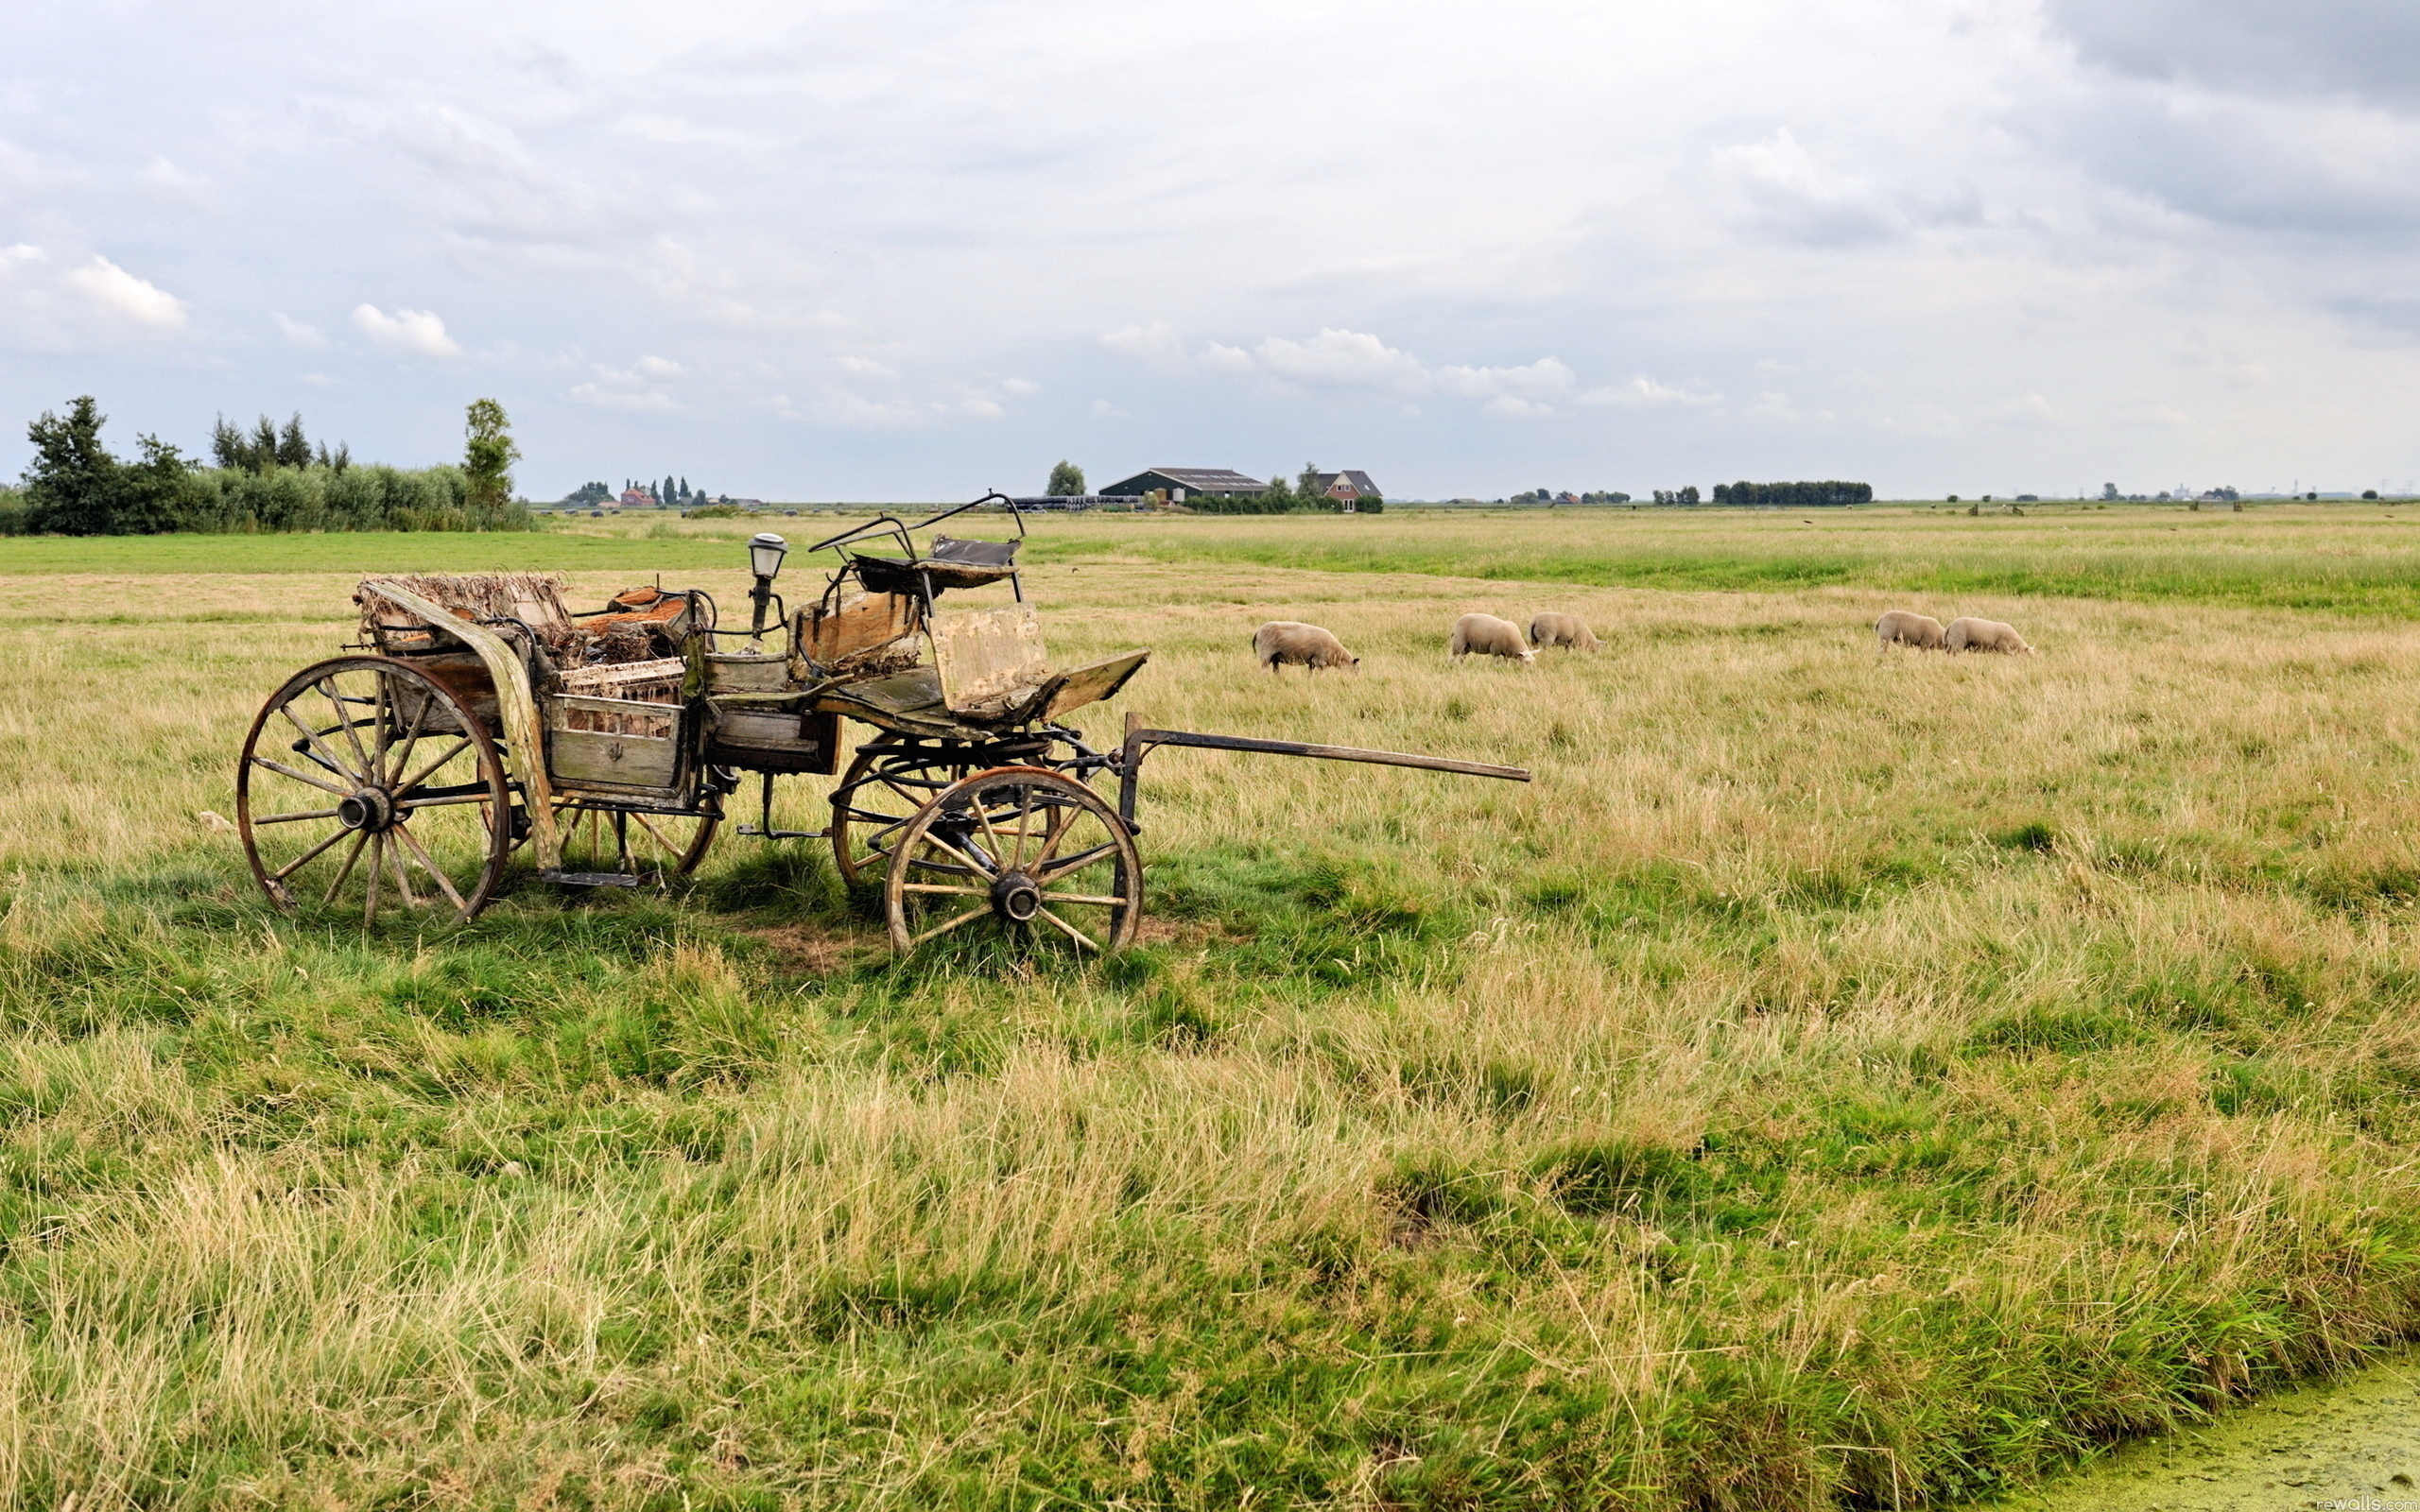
(913, 251)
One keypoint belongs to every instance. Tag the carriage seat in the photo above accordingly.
(950, 563)
(993, 668)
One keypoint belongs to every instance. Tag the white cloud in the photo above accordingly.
(1643, 392)
(1340, 359)
(306, 336)
(601, 397)
(1103, 410)
(1788, 191)
(119, 295)
(1344, 361)
(413, 333)
(1157, 344)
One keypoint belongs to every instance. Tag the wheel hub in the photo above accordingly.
(367, 809)
(1017, 897)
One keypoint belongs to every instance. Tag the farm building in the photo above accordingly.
(1350, 486)
(1182, 482)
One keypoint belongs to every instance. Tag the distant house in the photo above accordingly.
(635, 499)
(1348, 488)
(1179, 482)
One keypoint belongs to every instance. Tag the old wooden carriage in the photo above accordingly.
(480, 719)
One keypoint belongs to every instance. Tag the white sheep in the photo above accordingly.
(1553, 629)
(1486, 635)
(1985, 635)
(1905, 627)
(1291, 643)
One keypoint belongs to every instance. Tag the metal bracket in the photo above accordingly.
(591, 879)
(766, 829)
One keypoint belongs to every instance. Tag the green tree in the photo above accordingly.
(151, 494)
(488, 455)
(1280, 491)
(72, 485)
(1067, 481)
(1308, 484)
(293, 449)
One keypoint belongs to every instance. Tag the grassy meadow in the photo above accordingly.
(1840, 1080)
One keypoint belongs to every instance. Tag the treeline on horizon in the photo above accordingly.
(1800, 495)
(262, 481)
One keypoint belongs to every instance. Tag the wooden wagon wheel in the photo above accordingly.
(364, 776)
(600, 837)
(883, 789)
(1026, 851)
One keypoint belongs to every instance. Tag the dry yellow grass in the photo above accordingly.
(1841, 1077)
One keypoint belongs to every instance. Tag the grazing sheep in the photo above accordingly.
(1985, 635)
(1489, 636)
(1284, 643)
(1905, 627)
(1551, 629)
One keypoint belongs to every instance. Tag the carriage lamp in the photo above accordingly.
(765, 553)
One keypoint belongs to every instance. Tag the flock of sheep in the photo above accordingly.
(1291, 643)
(1905, 627)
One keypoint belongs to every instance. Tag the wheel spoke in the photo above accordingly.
(1025, 812)
(944, 929)
(395, 861)
(312, 739)
(289, 818)
(360, 838)
(414, 804)
(672, 855)
(425, 772)
(430, 867)
(369, 879)
(983, 813)
(284, 770)
(936, 841)
(1055, 825)
(935, 887)
(1074, 864)
(306, 857)
(1084, 898)
(1073, 933)
(402, 750)
(344, 718)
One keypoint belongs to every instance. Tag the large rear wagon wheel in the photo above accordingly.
(366, 782)
(1018, 852)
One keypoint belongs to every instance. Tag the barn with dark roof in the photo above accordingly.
(1191, 480)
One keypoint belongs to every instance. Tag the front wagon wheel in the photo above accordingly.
(1016, 851)
(367, 783)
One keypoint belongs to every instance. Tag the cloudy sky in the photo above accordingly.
(810, 251)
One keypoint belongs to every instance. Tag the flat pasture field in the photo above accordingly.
(1841, 1079)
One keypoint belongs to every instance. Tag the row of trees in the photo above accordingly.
(1549, 496)
(265, 446)
(268, 479)
(1800, 495)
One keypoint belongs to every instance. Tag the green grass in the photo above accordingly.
(2292, 557)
